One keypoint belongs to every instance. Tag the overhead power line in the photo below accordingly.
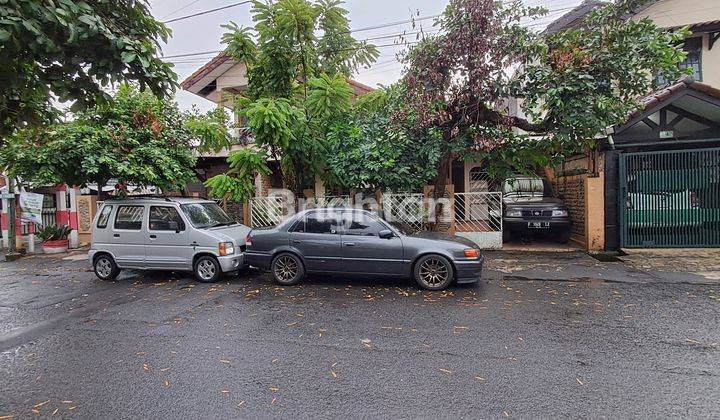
(208, 11)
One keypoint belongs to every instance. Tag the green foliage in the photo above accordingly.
(238, 183)
(71, 50)
(369, 150)
(297, 80)
(138, 139)
(571, 85)
(54, 233)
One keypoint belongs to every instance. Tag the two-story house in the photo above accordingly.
(655, 180)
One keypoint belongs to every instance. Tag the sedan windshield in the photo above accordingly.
(206, 215)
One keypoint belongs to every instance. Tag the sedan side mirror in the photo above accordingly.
(386, 234)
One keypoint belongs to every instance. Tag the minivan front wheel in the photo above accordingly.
(207, 269)
(105, 268)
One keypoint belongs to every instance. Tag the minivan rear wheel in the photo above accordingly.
(287, 269)
(207, 269)
(105, 268)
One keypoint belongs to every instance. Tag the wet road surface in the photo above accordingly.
(159, 344)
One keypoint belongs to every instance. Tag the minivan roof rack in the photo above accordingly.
(143, 197)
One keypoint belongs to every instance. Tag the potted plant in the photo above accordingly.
(54, 238)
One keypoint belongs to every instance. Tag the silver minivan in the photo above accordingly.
(166, 233)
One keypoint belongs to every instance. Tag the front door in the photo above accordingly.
(166, 245)
(317, 238)
(128, 236)
(364, 252)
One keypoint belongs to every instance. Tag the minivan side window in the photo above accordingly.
(165, 218)
(129, 217)
(104, 217)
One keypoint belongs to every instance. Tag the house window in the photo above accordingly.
(693, 60)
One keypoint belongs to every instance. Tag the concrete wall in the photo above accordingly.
(673, 13)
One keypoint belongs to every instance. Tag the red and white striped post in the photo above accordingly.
(5, 223)
(67, 215)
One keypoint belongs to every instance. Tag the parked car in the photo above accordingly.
(530, 207)
(163, 233)
(351, 241)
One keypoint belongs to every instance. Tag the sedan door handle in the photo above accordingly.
(153, 236)
(297, 242)
(349, 243)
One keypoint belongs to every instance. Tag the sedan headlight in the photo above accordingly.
(560, 213)
(226, 248)
(513, 213)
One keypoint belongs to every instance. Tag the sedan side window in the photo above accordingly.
(104, 217)
(359, 224)
(129, 217)
(320, 224)
(165, 218)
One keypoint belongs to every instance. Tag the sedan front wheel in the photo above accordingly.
(433, 272)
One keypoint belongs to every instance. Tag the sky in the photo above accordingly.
(203, 33)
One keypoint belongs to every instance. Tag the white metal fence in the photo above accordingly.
(328, 201)
(268, 211)
(406, 209)
(478, 217)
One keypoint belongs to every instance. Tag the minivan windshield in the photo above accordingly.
(206, 215)
(526, 187)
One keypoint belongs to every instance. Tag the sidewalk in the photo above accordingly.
(646, 266)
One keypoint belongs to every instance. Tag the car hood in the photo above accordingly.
(533, 201)
(236, 233)
(444, 237)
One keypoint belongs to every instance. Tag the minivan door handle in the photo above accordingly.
(153, 236)
(116, 235)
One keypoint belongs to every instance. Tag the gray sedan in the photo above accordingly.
(350, 241)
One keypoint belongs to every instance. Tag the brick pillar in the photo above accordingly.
(65, 215)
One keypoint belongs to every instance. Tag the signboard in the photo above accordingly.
(31, 206)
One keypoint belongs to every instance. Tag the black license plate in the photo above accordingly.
(538, 225)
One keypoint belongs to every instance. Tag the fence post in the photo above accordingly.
(246, 214)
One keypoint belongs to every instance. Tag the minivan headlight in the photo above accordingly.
(226, 248)
(513, 213)
(560, 213)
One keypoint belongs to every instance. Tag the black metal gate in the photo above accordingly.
(670, 199)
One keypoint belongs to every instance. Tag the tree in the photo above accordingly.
(297, 81)
(72, 50)
(573, 84)
(372, 150)
(137, 139)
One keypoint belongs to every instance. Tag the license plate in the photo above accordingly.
(539, 225)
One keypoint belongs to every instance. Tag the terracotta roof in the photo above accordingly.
(359, 88)
(204, 70)
(665, 93)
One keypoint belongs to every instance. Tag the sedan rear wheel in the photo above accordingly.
(287, 269)
(433, 272)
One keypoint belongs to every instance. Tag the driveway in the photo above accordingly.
(538, 337)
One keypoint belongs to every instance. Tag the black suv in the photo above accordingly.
(531, 208)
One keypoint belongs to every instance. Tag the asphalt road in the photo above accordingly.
(159, 345)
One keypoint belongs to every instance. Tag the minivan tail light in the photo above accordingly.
(472, 253)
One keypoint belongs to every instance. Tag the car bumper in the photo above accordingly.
(469, 271)
(520, 224)
(231, 263)
(91, 255)
(258, 260)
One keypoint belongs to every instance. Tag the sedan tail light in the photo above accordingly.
(248, 239)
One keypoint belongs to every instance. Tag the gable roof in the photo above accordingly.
(224, 60)
(574, 18)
